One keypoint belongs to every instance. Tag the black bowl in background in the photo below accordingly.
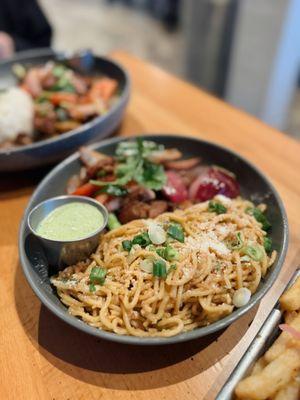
(254, 186)
(50, 151)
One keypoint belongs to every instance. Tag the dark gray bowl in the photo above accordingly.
(52, 150)
(254, 185)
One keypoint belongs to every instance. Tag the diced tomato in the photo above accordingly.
(59, 97)
(86, 190)
(103, 88)
(211, 182)
(175, 190)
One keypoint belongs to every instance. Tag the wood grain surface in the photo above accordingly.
(43, 358)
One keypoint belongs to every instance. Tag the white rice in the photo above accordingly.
(16, 114)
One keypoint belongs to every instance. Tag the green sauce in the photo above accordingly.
(71, 221)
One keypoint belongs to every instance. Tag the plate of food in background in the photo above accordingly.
(52, 103)
(196, 235)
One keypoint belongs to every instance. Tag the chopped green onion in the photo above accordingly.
(160, 269)
(92, 287)
(113, 222)
(143, 239)
(151, 247)
(98, 275)
(127, 245)
(267, 244)
(63, 85)
(171, 268)
(255, 252)
(245, 258)
(237, 242)
(146, 265)
(175, 230)
(160, 252)
(260, 217)
(156, 233)
(218, 208)
(168, 253)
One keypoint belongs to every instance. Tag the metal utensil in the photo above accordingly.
(61, 253)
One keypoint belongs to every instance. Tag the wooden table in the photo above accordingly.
(43, 358)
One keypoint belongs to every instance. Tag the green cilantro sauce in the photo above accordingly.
(71, 221)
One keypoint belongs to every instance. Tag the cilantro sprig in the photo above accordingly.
(134, 165)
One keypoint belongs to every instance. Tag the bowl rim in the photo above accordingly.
(182, 337)
(87, 125)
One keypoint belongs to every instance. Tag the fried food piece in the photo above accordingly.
(290, 392)
(290, 300)
(274, 377)
(281, 343)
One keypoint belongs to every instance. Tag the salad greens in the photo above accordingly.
(114, 190)
(134, 165)
(145, 147)
(63, 83)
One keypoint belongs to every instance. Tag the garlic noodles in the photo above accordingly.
(187, 274)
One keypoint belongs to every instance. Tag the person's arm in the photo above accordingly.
(36, 30)
(7, 46)
(23, 26)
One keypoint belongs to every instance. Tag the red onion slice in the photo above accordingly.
(175, 190)
(292, 331)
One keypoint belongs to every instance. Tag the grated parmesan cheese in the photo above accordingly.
(207, 241)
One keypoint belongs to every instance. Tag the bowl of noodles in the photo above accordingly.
(190, 269)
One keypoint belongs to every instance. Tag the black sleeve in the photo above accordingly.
(22, 43)
(26, 23)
